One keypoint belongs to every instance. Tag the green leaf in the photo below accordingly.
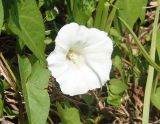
(158, 43)
(88, 99)
(38, 102)
(99, 12)
(68, 115)
(5, 84)
(110, 18)
(50, 15)
(26, 22)
(25, 68)
(113, 32)
(155, 98)
(1, 106)
(131, 10)
(114, 100)
(35, 90)
(90, 22)
(117, 86)
(117, 62)
(105, 15)
(83, 10)
(40, 76)
(142, 9)
(1, 15)
(40, 3)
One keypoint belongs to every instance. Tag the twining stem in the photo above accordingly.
(145, 54)
(148, 89)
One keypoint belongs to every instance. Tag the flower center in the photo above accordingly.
(74, 55)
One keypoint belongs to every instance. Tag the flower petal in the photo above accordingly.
(67, 34)
(98, 56)
(102, 68)
(95, 49)
(97, 38)
(78, 80)
(57, 61)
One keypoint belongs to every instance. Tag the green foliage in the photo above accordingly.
(117, 36)
(88, 99)
(131, 10)
(82, 10)
(117, 62)
(116, 90)
(114, 100)
(4, 85)
(50, 15)
(40, 3)
(110, 18)
(25, 71)
(142, 49)
(1, 14)
(151, 72)
(23, 18)
(1, 105)
(99, 12)
(155, 98)
(26, 22)
(117, 86)
(34, 81)
(158, 43)
(105, 13)
(68, 115)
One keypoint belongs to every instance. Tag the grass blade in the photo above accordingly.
(148, 89)
(104, 16)
(99, 11)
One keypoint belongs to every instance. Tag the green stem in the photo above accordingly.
(99, 11)
(145, 54)
(72, 4)
(69, 7)
(148, 89)
(155, 83)
(104, 16)
(111, 17)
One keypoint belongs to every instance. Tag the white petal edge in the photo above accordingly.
(84, 80)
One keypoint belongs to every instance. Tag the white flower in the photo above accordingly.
(81, 60)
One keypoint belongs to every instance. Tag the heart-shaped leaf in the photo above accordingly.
(35, 80)
(26, 22)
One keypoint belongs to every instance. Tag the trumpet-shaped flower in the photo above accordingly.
(81, 60)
